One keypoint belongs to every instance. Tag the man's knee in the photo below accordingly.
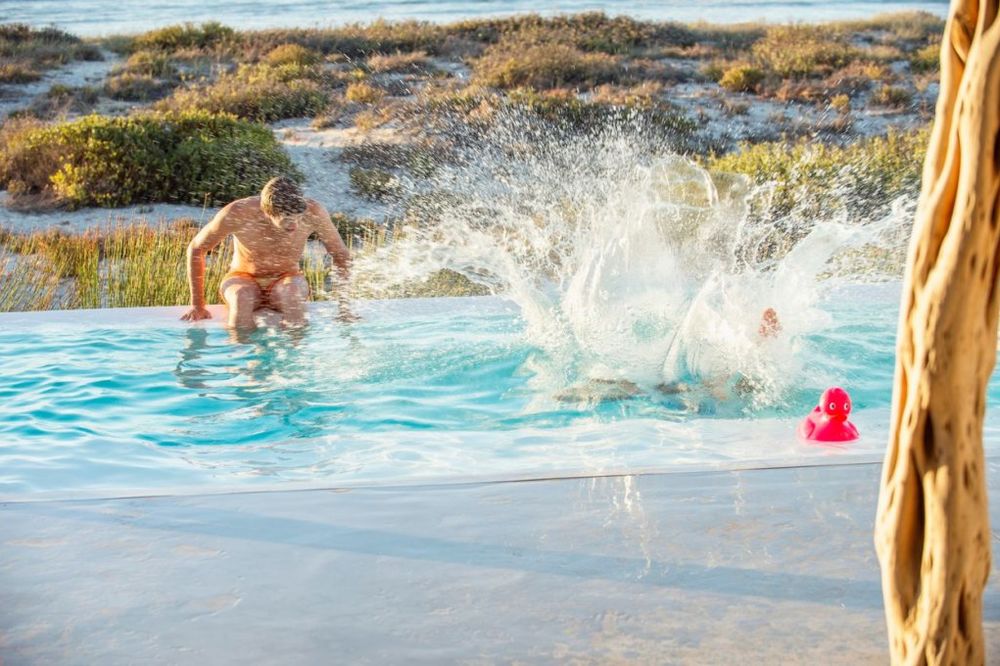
(241, 296)
(290, 291)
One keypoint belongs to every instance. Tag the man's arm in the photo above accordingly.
(204, 242)
(334, 244)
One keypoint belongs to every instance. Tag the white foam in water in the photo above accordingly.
(630, 262)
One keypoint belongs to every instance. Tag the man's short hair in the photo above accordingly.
(282, 196)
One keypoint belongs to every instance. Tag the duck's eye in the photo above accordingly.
(833, 406)
(847, 406)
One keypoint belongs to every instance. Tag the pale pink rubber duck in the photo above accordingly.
(828, 421)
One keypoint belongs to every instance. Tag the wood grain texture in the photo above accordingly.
(932, 531)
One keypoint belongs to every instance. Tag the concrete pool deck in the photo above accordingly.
(773, 565)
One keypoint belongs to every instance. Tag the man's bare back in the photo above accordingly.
(270, 233)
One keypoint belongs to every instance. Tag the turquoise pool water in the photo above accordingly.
(417, 390)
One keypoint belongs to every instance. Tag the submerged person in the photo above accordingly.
(269, 237)
(721, 389)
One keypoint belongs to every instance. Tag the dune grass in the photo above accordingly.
(144, 264)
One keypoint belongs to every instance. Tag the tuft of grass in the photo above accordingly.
(727, 41)
(742, 78)
(421, 159)
(292, 54)
(150, 63)
(814, 177)
(398, 62)
(207, 36)
(905, 28)
(643, 96)
(189, 157)
(143, 265)
(802, 50)
(115, 266)
(62, 100)
(892, 96)
(362, 92)
(540, 66)
(136, 87)
(18, 72)
(841, 103)
(26, 51)
(927, 59)
(261, 93)
(563, 107)
(593, 32)
(376, 184)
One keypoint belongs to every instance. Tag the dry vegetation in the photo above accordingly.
(26, 52)
(421, 79)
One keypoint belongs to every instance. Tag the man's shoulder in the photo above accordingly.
(316, 212)
(244, 204)
(314, 207)
(242, 210)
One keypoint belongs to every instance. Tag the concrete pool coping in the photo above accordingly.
(707, 567)
(169, 316)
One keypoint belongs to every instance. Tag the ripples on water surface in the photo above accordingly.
(102, 17)
(417, 390)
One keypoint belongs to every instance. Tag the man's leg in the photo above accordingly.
(242, 296)
(288, 296)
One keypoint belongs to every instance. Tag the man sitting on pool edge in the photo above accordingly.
(269, 237)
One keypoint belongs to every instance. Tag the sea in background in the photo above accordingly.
(105, 17)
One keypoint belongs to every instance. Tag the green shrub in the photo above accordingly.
(420, 159)
(62, 100)
(292, 54)
(893, 96)
(540, 66)
(150, 63)
(26, 51)
(565, 108)
(363, 93)
(907, 27)
(261, 93)
(398, 62)
(802, 50)
(207, 36)
(589, 31)
(841, 103)
(191, 157)
(927, 59)
(373, 183)
(16, 72)
(731, 41)
(136, 87)
(815, 176)
(644, 95)
(741, 78)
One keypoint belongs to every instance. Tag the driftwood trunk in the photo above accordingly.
(932, 532)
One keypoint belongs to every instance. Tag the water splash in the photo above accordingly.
(631, 263)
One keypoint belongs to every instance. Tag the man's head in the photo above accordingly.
(282, 201)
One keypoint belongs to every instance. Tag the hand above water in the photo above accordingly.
(196, 314)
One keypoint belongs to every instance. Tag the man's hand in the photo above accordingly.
(197, 313)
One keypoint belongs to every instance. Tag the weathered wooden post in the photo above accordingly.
(932, 532)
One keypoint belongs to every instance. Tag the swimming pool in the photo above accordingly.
(126, 401)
